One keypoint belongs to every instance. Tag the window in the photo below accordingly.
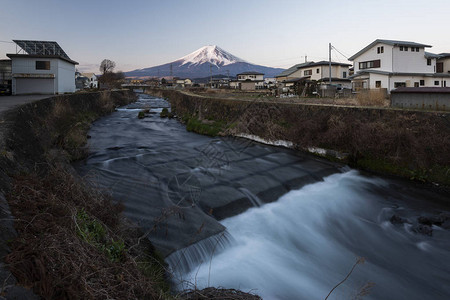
(317, 71)
(378, 84)
(417, 49)
(344, 74)
(439, 67)
(380, 49)
(422, 82)
(42, 65)
(399, 84)
(428, 61)
(436, 82)
(413, 49)
(416, 84)
(307, 72)
(370, 64)
(406, 48)
(401, 48)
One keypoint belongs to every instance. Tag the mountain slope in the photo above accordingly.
(204, 62)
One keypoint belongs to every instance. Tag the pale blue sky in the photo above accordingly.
(277, 33)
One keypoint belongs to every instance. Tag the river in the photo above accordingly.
(279, 223)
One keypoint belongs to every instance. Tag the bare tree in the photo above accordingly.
(107, 66)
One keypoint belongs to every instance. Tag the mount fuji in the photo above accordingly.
(206, 61)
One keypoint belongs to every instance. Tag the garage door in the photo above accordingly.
(34, 86)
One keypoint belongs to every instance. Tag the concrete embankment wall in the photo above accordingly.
(32, 138)
(411, 144)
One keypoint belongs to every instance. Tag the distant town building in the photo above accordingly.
(391, 64)
(5, 76)
(81, 82)
(248, 81)
(41, 67)
(93, 80)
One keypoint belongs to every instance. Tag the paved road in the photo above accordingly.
(8, 102)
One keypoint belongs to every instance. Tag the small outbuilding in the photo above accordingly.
(41, 67)
(430, 98)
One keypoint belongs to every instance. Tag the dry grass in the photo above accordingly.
(52, 257)
(375, 98)
(218, 294)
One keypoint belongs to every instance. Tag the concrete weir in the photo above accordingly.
(178, 185)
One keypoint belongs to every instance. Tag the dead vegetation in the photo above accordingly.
(72, 243)
(372, 98)
(219, 294)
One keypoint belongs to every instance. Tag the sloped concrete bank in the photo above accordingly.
(34, 138)
(406, 143)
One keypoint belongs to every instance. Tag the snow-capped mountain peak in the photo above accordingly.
(210, 54)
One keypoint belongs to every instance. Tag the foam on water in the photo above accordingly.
(302, 245)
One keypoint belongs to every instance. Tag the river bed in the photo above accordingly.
(282, 224)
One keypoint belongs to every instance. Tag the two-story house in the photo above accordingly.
(389, 64)
(250, 80)
(41, 67)
(317, 71)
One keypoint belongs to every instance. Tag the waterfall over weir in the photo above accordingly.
(184, 260)
(302, 245)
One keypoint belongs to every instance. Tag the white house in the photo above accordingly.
(250, 80)
(93, 80)
(389, 64)
(317, 71)
(41, 67)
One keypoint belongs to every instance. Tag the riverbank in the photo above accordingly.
(405, 143)
(61, 238)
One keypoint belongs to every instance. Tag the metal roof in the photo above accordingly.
(361, 73)
(250, 73)
(293, 69)
(445, 90)
(310, 64)
(432, 55)
(41, 48)
(389, 42)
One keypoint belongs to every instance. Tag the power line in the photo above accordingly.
(340, 52)
(7, 42)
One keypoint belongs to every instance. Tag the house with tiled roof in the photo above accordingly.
(390, 64)
(317, 71)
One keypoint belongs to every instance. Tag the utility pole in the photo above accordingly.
(210, 74)
(329, 62)
(306, 58)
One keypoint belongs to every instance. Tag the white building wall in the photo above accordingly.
(385, 82)
(250, 77)
(28, 65)
(336, 72)
(372, 54)
(63, 72)
(413, 62)
(446, 62)
(65, 77)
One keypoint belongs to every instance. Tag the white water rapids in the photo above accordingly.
(305, 243)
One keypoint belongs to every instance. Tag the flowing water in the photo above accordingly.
(295, 225)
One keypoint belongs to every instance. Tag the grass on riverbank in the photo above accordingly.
(73, 244)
